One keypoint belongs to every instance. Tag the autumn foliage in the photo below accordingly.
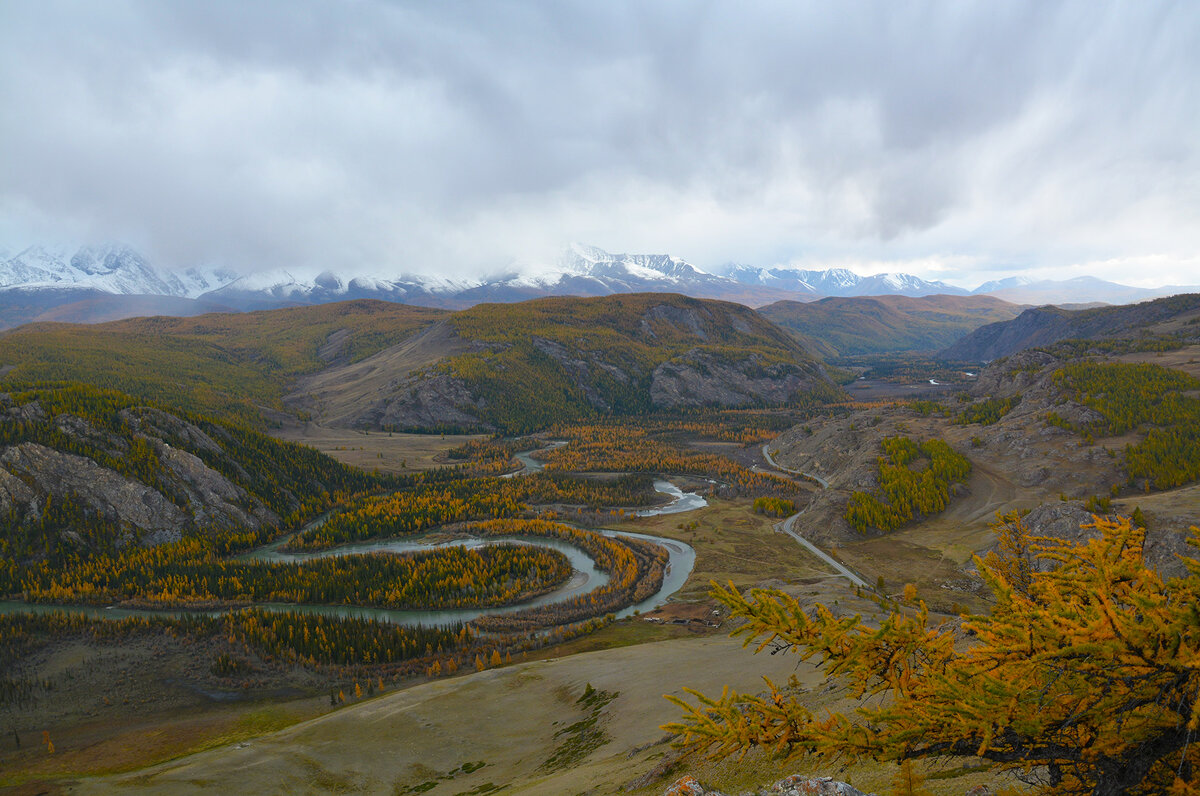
(624, 448)
(914, 480)
(1088, 681)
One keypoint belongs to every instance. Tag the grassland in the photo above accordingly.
(395, 453)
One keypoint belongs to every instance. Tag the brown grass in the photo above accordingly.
(384, 451)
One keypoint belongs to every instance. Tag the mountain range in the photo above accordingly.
(99, 283)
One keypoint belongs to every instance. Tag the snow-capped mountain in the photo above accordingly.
(579, 271)
(112, 269)
(108, 282)
(840, 282)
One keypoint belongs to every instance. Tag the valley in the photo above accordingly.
(600, 399)
(389, 549)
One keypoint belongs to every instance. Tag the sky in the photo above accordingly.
(961, 141)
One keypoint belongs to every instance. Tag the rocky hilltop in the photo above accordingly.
(94, 470)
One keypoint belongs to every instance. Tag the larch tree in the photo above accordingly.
(1086, 682)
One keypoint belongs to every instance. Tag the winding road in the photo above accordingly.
(808, 476)
(788, 526)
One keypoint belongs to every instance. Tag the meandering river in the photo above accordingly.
(584, 578)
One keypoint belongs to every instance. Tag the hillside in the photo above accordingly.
(1043, 326)
(90, 470)
(230, 365)
(526, 366)
(878, 324)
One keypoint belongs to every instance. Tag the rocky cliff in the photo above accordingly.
(95, 470)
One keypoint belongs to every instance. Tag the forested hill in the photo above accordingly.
(1174, 316)
(877, 324)
(373, 364)
(232, 365)
(520, 367)
(89, 470)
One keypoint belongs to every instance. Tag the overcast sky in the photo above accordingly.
(954, 140)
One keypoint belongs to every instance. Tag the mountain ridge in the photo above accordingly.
(847, 326)
(1043, 326)
(96, 283)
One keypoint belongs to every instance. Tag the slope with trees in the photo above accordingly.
(86, 471)
(839, 327)
(236, 366)
(523, 367)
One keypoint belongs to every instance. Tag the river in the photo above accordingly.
(584, 578)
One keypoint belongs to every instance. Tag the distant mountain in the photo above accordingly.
(580, 271)
(839, 326)
(94, 283)
(112, 268)
(1043, 326)
(97, 283)
(1080, 290)
(841, 282)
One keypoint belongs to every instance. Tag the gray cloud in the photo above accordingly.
(950, 140)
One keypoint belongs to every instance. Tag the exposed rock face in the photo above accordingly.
(425, 402)
(700, 379)
(213, 499)
(794, 785)
(51, 472)
(13, 492)
(184, 492)
(1162, 549)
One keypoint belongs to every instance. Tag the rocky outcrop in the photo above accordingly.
(700, 378)
(147, 474)
(131, 503)
(214, 500)
(1066, 520)
(795, 785)
(426, 401)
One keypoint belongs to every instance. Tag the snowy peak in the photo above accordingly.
(112, 268)
(590, 261)
(839, 282)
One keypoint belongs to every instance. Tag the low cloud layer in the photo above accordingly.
(959, 141)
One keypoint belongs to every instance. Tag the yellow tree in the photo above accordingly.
(1088, 682)
(1014, 558)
